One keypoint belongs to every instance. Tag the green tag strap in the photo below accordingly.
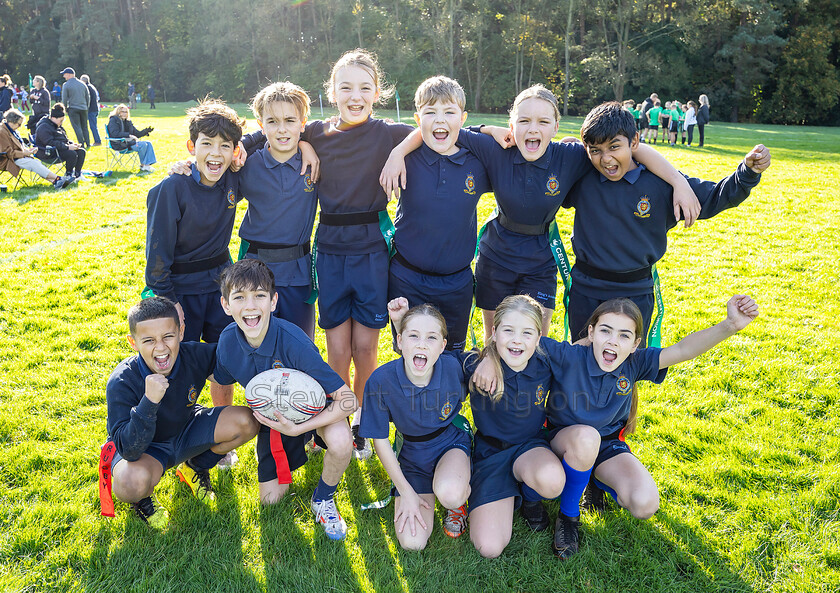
(654, 338)
(147, 293)
(562, 261)
(313, 273)
(477, 241)
(243, 249)
(484, 228)
(387, 229)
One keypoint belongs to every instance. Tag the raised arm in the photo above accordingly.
(684, 199)
(740, 311)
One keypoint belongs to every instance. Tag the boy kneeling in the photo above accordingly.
(154, 422)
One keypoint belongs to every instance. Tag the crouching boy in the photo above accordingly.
(154, 422)
(260, 341)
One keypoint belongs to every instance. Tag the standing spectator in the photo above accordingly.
(50, 133)
(76, 98)
(647, 105)
(93, 109)
(132, 96)
(151, 94)
(24, 98)
(702, 117)
(690, 120)
(39, 98)
(56, 91)
(6, 93)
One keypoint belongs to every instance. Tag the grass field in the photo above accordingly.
(742, 441)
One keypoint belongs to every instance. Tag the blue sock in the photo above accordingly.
(323, 491)
(576, 482)
(530, 494)
(606, 489)
(205, 461)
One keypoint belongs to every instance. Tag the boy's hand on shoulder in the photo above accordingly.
(180, 168)
(393, 174)
(239, 157)
(397, 308)
(686, 204)
(758, 159)
(309, 160)
(503, 136)
(740, 311)
(156, 386)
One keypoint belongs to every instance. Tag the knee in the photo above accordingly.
(490, 548)
(644, 503)
(338, 439)
(549, 484)
(272, 492)
(412, 544)
(453, 493)
(133, 483)
(583, 447)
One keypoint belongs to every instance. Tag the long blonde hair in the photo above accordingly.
(519, 303)
(366, 61)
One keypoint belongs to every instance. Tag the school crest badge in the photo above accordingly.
(308, 185)
(277, 365)
(552, 185)
(540, 396)
(231, 198)
(445, 411)
(623, 385)
(469, 185)
(192, 396)
(643, 207)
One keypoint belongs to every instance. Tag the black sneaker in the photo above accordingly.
(566, 537)
(150, 511)
(535, 515)
(594, 499)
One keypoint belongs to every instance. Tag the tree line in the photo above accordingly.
(770, 61)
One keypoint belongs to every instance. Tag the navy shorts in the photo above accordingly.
(451, 294)
(419, 460)
(611, 446)
(492, 477)
(353, 287)
(196, 438)
(279, 455)
(494, 282)
(675, 126)
(582, 306)
(654, 127)
(204, 317)
(292, 306)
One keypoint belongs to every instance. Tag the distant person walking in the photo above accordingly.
(93, 109)
(56, 91)
(702, 117)
(150, 91)
(76, 98)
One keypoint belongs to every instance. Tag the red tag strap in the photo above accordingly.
(621, 434)
(106, 500)
(284, 474)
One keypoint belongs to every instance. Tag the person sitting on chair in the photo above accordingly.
(49, 133)
(124, 136)
(13, 155)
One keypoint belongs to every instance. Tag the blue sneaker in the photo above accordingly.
(326, 513)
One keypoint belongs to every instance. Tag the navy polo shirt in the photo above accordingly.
(134, 421)
(520, 413)
(636, 213)
(527, 192)
(582, 393)
(436, 217)
(281, 210)
(416, 411)
(351, 161)
(285, 346)
(187, 221)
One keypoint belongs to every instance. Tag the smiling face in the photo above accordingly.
(439, 125)
(533, 125)
(516, 339)
(213, 156)
(251, 310)
(613, 339)
(282, 125)
(157, 341)
(123, 113)
(614, 158)
(355, 93)
(421, 342)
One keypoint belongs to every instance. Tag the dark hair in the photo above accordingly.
(606, 121)
(58, 111)
(629, 309)
(152, 308)
(246, 274)
(212, 118)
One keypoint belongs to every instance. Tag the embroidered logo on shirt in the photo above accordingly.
(277, 365)
(540, 396)
(553, 186)
(308, 185)
(469, 185)
(623, 385)
(231, 198)
(643, 207)
(192, 396)
(445, 411)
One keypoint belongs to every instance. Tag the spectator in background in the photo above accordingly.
(76, 98)
(93, 109)
(39, 98)
(15, 157)
(56, 91)
(49, 133)
(690, 120)
(151, 94)
(132, 95)
(124, 136)
(6, 93)
(702, 117)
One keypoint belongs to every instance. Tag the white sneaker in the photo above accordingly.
(326, 513)
(227, 462)
(361, 446)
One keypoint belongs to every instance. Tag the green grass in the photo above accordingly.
(743, 441)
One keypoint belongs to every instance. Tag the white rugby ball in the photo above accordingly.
(287, 392)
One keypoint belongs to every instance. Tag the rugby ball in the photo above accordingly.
(287, 392)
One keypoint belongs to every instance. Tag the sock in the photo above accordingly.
(576, 482)
(204, 461)
(323, 491)
(530, 494)
(606, 489)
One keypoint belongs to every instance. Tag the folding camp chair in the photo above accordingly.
(6, 178)
(128, 159)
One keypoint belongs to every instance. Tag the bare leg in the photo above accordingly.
(540, 469)
(491, 525)
(236, 426)
(364, 347)
(135, 480)
(488, 324)
(577, 445)
(420, 538)
(221, 395)
(451, 483)
(632, 482)
(546, 320)
(339, 451)
(339, 353)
